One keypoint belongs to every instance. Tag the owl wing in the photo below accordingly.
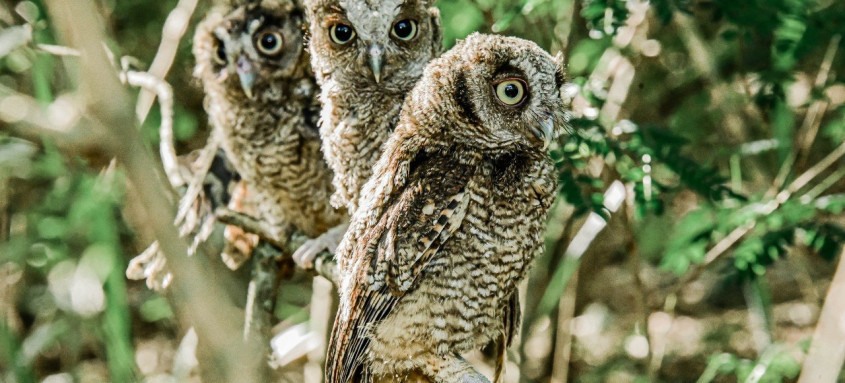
(425, 201)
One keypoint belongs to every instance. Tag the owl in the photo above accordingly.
(366, 55)
(452, 217)
(261, 98)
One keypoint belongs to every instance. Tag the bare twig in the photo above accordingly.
(321, 316)
(563, 339)
(206, 158)
(810, 128)
(702, 61)
(174, 28)
(167, 148)
(827, 352)
(57, 50)
(825, 184)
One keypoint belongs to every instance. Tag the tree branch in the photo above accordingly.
(174, 28)
(324, 265)
(167, 148)
(823, 362)
(217, 324)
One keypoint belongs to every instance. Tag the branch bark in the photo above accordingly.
(827, 352)
(324, 265)
(174, 28)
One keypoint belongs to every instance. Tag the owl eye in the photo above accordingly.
(405, 30)
(220, 54)
(511, 92)
(342, 33)
(270, 43)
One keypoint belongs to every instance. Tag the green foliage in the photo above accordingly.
(775, 365)
(604, 15)
(73, 252)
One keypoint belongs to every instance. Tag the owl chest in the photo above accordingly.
(499, 237)
(257, 141)
(355, 126)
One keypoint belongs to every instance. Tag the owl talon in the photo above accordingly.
(305, 255)
(239, 246)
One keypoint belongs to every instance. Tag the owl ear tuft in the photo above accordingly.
(560, 71)
(436, 32)
(463, 98)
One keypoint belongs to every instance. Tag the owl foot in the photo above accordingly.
(239, 246)
(150, 266)
(305, 255)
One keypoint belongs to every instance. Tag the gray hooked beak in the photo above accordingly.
(246, 73)
(376, 53)
(545, 132)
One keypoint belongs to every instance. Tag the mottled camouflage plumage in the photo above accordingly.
(270, 135)
(451, 219)
(359, 111)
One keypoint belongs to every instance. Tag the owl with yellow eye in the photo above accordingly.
(452, 217)
(261, 98)
(366, 56)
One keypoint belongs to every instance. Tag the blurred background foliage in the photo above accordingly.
(721, 123)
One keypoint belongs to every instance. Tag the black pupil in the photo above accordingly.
(269, 41)
(511, 90)
(221, 53)
(403, 28)
(343, 32)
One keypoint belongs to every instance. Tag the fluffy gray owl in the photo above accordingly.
(451, 219)
(367, 55)
(261, 100)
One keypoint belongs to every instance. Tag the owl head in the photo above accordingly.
(498, 93)
(373, 43)
(250, 44)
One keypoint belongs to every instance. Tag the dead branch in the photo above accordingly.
(812, 120)
(167, 149)
(174, 28)
(824, 361)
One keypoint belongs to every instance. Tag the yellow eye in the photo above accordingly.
(269, 43)
(341, 33)
(404, 30)
(511, 92)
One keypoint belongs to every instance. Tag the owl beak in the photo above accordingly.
(246, 73)
(376, 53)
(545, 132)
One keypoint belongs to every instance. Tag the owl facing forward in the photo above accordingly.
(261, 101)
(366, 55)
(452, 218)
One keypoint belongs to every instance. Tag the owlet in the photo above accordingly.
(261, 100)
(453, 216)
(366, 55)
